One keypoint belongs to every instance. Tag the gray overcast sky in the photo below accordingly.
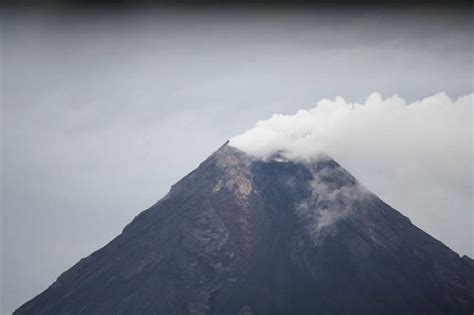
(102, 113)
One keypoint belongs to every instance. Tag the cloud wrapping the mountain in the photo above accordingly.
(328, 201)
(416, 156)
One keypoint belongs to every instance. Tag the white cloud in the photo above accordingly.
(416, 156)
(434, 123)
(329, 202)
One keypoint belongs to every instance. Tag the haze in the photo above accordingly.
(101, 113)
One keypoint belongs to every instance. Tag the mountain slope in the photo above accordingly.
(245, 236)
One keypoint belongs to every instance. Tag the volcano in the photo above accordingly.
(245, 235)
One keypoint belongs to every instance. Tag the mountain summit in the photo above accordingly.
(241, 235)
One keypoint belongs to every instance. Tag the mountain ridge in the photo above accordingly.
(241, 235)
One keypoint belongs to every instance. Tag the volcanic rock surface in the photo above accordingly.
(241, 235)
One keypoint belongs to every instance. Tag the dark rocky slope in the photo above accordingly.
(245, 236)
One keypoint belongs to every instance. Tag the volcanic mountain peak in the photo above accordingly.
(244, 235)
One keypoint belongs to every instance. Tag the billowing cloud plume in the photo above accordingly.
(416, 156)
(435, 123)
